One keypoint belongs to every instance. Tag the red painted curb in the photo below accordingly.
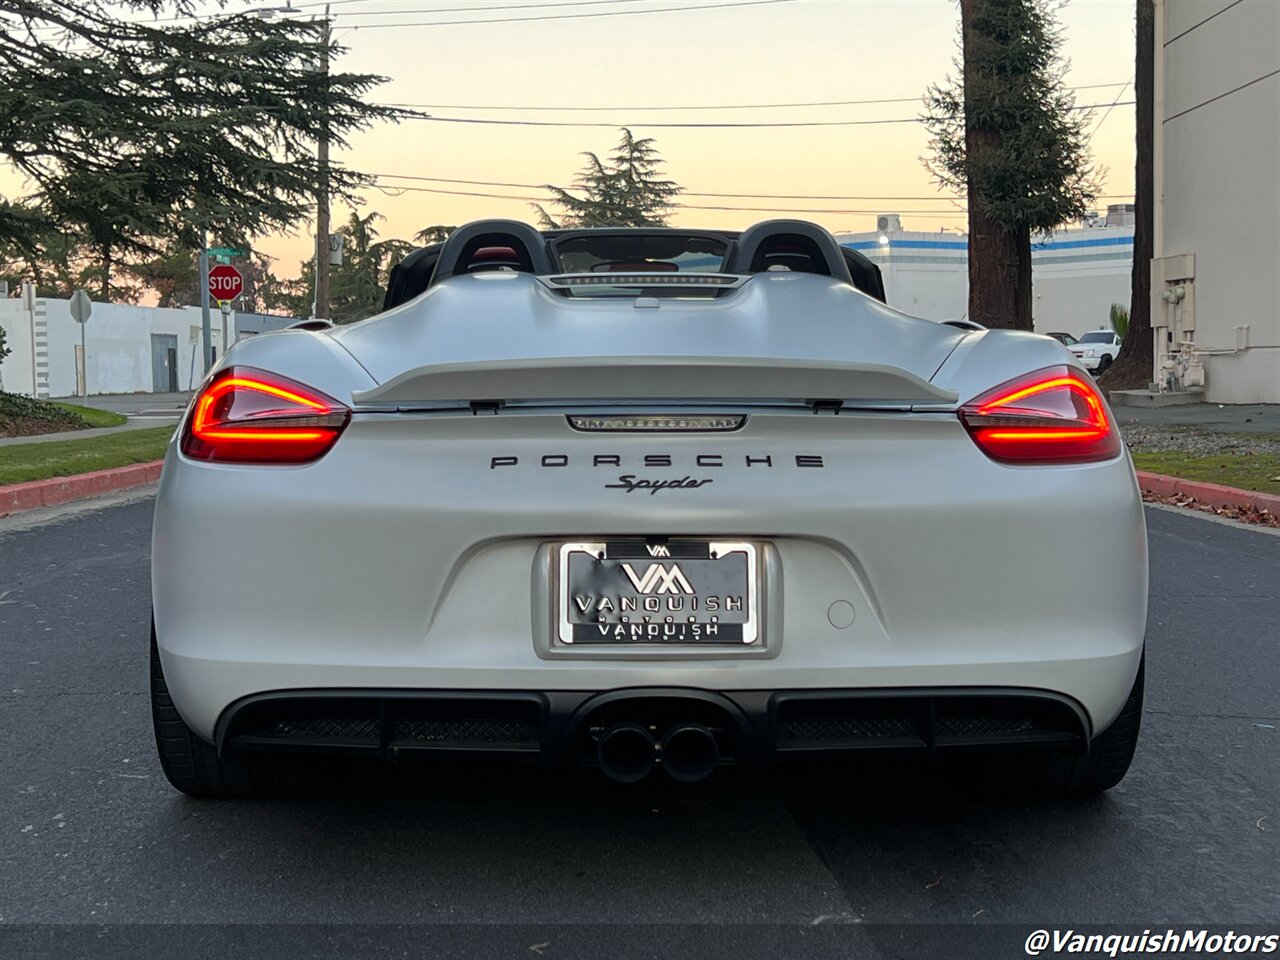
(17, 497)
(1214, 494)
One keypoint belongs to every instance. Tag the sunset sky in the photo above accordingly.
(758, 53)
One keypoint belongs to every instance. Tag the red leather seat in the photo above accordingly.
(494, 258)
(635, 266)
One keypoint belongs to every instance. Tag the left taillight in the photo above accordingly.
(1050, 416)
(246, 415)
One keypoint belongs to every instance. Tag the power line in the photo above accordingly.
(721, 106)
(665, 126)
(681, 206)
(681, 108)
(574, 16)
(485, 121)
(299, 8)
(694, 193)
(477, 9)
(1098, 126)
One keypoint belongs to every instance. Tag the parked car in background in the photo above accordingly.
(1097, 349)
(1065, 339)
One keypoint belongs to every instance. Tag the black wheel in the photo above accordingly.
(193, 766)
(1103, 365)
(1047, 773)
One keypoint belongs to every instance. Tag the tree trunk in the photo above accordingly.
(1133, 368)
(994, 256)
(1023, 299)
(105, 291)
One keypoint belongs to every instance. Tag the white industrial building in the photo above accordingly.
(128, 349)
(1215, 277)
(1076, 274)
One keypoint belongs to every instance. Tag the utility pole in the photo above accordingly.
(320, 308)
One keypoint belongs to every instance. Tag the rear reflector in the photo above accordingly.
(1054, 415)
(247, 415)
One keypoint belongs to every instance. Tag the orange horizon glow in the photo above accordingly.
(810, 50)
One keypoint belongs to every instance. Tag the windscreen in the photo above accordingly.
(641, 253)
(1097, 336)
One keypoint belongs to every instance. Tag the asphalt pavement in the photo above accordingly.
(100, 857)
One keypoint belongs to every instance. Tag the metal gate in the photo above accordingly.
(164, 363)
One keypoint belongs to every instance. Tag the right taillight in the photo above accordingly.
(1053, 415)
(245, 415)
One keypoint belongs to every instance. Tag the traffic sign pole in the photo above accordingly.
(81, 310)
(206, 330)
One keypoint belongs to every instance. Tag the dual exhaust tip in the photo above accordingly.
(627, 752)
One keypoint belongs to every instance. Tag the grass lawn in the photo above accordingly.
(1246, 473)
(21, 462)
(93, 417)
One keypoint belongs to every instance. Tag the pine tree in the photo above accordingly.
(436, 233)
(625, 191)
(356, 285)
(1008, 136)
(1134, 364)
(135, 135)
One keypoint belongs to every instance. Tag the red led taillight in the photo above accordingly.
(1054, 415)
(251, 416)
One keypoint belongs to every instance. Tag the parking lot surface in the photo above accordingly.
(97, 848)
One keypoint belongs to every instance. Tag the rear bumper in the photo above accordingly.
(403, 561)
(753, 728)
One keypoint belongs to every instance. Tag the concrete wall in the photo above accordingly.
(1218, 188)
(1076, 274)
(118, 345)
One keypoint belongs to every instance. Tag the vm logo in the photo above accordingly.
(658, 579)
(658, 550)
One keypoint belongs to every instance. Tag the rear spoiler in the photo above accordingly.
(655, 378)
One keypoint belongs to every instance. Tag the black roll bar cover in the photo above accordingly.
(464, 241)
(754, 237)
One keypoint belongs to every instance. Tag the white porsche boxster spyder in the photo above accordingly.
(645, 499)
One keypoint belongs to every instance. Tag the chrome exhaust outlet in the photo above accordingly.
(689, 752)
(625, 752)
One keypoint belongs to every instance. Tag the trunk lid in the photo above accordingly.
(778, 338)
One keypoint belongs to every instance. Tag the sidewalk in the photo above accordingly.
(1257, 418)
(134, 404)
(136, 423)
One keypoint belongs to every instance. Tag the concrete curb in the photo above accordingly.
(1214, 494)
(18, 497)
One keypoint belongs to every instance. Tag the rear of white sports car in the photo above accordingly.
(673, 533)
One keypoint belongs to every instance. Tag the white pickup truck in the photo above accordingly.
(1097, 349)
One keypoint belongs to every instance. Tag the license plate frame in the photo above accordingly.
(665, 573)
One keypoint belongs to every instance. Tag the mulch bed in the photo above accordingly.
(1245, 514)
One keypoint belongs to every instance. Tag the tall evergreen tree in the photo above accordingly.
(357, 285)
(436, 233)
(626, 190)
(1136, 360)
(1008, 136)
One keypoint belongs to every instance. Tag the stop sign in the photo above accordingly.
(225, 282)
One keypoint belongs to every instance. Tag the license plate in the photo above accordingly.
(676, 591)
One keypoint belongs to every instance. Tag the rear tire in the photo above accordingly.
(1112, 751)
(193, 766)
(1049, 774)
